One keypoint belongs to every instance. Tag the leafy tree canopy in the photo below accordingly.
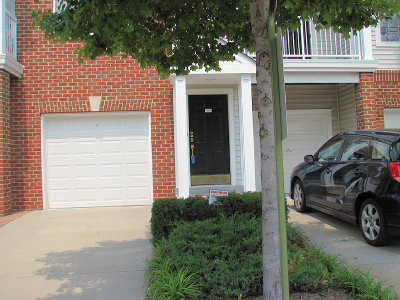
(177, 36)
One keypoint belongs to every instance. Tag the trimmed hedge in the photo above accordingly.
(167, 212)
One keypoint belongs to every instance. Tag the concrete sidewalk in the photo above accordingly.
(341, 238)
(94, 253)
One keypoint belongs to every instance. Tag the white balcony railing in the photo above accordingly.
(309, 43)
(10, 34)
(8, 29)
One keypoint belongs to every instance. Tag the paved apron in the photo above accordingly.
(344, 239)
(94, 253)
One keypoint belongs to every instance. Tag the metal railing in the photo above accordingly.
(10, 34)
(309, 43)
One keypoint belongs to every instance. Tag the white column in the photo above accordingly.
(181, 122)
(367, 43)
(246, 134)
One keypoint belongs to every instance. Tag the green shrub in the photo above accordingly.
(225, 254)
(166, 212)
(249, 203)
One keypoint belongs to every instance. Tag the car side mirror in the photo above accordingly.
(309, 158)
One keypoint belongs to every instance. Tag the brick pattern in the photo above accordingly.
(375, 92)
(5, 144)
(53, 82)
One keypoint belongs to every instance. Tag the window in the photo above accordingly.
(392, 118)
(330, 152)
(57, 5)
(388, 31)
(379, 150)
(356, 149)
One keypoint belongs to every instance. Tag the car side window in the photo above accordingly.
(380, 150)
(330, 152)
(356, 149)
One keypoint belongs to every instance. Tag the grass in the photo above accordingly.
(221, 258)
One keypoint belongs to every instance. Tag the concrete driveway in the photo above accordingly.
(94, 253)
(341, 238)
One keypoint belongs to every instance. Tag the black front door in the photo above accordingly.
(209, 139)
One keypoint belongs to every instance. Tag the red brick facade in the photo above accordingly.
(5, 144)
(53, 82)
(376, 92)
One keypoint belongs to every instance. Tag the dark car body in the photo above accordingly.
(365, 167)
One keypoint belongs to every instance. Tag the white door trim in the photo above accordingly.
(231, 121)
(48, 116)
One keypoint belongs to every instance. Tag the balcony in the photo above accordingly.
(309, 43)
(8, 44)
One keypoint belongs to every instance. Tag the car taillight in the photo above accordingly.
(395, 170)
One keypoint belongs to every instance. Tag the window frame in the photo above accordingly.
(55, 5)
(378, 37)
(349, 141)
(330, 142)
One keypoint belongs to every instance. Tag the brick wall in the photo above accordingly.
(53, 82)
(5, 144)
(376, 92)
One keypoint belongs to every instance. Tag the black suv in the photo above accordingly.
(354, 176)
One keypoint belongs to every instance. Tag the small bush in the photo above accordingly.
(225, 254)
(167, 212)
(248, 203)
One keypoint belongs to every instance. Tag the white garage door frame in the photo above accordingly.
(46, 117)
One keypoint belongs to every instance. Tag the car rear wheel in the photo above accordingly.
(372, 223)
(299, 197)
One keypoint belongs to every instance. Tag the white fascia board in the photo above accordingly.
(11, 65)
(322, 77)
(330, 65)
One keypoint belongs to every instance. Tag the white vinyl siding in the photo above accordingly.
(388, 57)
(347, 107)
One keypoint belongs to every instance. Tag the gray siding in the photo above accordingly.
(347, 107)
(387, 57)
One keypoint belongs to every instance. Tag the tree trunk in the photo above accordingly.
(272, 283)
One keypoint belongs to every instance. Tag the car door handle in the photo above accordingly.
(357, 171)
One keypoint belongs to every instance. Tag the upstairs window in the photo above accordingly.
(388, 32)
(57, 5)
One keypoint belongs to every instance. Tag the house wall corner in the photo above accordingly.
(376, 92)
(5, 144)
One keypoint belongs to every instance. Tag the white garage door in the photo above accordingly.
(307, 131)
(97, 160)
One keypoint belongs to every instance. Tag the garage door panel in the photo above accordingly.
(86, 171)
(137, 192)
(108, 146)
(136, 145)
(98, 161)
(87, 146)
(137, 169)
(85, 194)
(306, 133)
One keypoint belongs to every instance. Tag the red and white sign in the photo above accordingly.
(214, 194)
